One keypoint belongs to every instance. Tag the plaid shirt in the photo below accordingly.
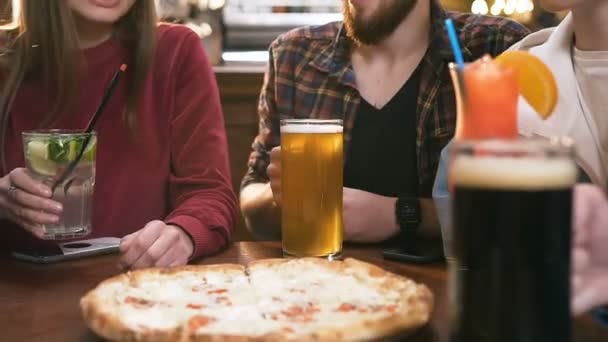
(310, 75)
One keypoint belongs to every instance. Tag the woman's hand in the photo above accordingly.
(27, 202)
(157, 244)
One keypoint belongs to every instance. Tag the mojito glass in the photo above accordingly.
(47, 156)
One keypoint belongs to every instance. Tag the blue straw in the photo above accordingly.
(455, 45)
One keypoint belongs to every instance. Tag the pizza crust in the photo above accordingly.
(411, 310)
(110, 326)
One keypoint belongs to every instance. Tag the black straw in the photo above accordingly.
(106, 99)
(91, 126)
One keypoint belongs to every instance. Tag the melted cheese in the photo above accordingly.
(252, 305)
(324, 289)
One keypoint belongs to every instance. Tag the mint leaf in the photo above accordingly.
(57, 150)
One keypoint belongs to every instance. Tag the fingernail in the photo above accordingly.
(46, 191)
(55, 219)
(58, 207)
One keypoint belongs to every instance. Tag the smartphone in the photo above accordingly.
(422, 252)
(53, 253)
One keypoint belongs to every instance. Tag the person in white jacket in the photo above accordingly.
(576, 51)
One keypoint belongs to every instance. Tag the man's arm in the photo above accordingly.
(370, 217)
(261, 213)
(429, 225)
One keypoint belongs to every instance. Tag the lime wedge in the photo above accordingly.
(38, 158)
(73, 147)
(43, 167)
(38, 149)
(91, 151)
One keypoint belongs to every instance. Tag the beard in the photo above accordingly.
(381, 24)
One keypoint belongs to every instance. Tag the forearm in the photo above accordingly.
(262, 215)
(429, 224)
(370, 217)
(208, 216)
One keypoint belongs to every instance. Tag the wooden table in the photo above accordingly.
(40, 302)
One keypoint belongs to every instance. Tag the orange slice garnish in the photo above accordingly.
(536, 82)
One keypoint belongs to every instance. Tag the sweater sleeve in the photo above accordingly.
(202, 201)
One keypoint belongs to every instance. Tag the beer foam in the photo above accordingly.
(306, 128)
(513, 173)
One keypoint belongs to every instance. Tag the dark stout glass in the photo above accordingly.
(512, 231)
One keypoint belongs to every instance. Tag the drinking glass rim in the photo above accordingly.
(526, 145)
(312, 122)
(48, 133)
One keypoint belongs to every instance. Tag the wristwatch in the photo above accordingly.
(407, 211)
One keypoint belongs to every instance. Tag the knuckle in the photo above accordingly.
(21, 197)
(158, 225)
(173, 234)
(13, 173)
(138, 246)
(41, 217)
(153, 254)
(16, 174)
(19, 212)
(152, 225)
(40, 203)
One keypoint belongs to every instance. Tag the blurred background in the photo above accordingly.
(228, 27)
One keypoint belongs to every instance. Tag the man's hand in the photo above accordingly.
(274, 174)
(590, 255)
(261, 202)
(368, 217)
(157, 244)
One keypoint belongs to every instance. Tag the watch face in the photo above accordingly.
(408, 211)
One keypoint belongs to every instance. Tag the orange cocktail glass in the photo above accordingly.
(487, 108)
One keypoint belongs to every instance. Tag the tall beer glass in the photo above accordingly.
(311, 188)
(512, 230)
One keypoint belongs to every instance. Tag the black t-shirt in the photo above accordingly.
(382, 155)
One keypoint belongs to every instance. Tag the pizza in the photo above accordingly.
(305, 299)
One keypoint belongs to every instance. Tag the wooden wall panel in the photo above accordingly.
(239, 93)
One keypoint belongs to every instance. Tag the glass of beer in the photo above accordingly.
(311, 188)
(512, 229)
